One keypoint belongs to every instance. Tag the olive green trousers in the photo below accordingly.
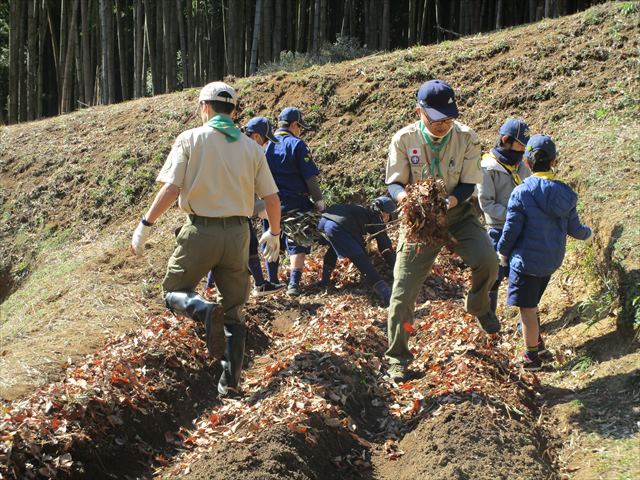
(413, 264)
(221, 244)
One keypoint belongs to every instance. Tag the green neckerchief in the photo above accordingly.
(546, 175)
(225, 125)
(435, 148)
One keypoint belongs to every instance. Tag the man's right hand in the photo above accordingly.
(271, 244)
(140, 236)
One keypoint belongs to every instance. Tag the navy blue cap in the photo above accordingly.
(292, 114)
(262, 126)
(437, 100)
(385, 204)
(540, 142)
(516, 129)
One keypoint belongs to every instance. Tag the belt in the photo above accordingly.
(224, 221)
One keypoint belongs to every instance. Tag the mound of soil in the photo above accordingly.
(469, 442)
(280, 453)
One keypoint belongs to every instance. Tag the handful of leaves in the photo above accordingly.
(424, 213)
(302, 227)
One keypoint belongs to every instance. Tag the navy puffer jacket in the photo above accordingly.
(540, 214)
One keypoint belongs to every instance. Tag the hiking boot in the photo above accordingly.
(268, 288)
(489, 322)
(293, 290)
(397, 373)
(211, 314)
(530, 362)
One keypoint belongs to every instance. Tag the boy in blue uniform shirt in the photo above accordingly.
(296, 176)
(540, 214)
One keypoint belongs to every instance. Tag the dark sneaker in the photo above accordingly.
(542, 349)
(397, 373)
(530, 362)
(268, 288)
(489, 322)
(293, 290)
(214, 327)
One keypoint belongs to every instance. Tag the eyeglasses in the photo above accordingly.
(446, 121)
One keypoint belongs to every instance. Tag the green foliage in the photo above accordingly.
(628, 8)
(344, 48)
(582, 363)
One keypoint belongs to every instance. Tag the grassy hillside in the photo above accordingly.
(72, 187)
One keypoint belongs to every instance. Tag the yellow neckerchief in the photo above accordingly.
(546, 175)
(511, 170)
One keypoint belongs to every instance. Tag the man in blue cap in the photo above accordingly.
(438, 146)
(502, 171)
(345, 226)
(296, 175)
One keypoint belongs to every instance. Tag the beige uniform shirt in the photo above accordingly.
(410, 157)
(217, 178)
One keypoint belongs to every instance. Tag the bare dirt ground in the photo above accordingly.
(317, 404)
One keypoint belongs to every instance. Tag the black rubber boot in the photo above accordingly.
(232, 359)
(192, 305)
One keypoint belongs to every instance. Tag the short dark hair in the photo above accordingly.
(540, 161)
(223, 108)
(500, 144)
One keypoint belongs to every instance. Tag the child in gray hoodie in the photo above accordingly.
(502, 171)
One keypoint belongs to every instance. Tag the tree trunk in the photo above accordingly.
(302, 23)
(322, 29)
(424, 32)
(22, 65)
(316, 25)
(68, 74)
(547, 8)
(169, 43)
(32, 58)
(256, 37)
(291, 39)
(438, 13)
(184, 53)
(498, 14)
(190, 50)
(267, 51)
(43, 19)
(138, 48)
(150, 30)
(87, 73)
(13, 61)
(159, 39)
(411, 31)
(277, 34)
(62, 46)
(123, 51)
(386, 25)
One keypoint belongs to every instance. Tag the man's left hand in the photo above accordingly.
(452, 201)
(504, 261)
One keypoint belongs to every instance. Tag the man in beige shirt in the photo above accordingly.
(215, 172)
(438, 146)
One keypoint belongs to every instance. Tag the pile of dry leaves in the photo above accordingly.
(424, 212)
(329, 364)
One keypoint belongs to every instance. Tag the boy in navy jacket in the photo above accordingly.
(540, 214)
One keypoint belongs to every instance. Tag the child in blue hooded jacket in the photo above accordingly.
(540, 214)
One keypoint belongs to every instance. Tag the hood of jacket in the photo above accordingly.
(553, 197)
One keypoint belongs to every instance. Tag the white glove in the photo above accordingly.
(320, 206)
(271, 246)
(263, 214)
(504, 261)
(140, 236)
